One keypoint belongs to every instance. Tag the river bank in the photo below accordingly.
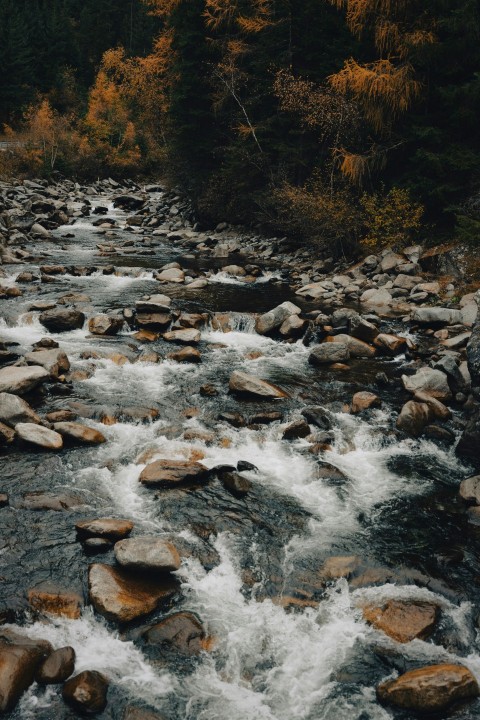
(230, 471)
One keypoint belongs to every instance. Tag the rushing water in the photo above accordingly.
(284, 646)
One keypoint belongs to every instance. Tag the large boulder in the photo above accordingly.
(18, 665)
(470, 490)
(357, 348)
(173, 473)
(390, 344)
(55, 362)
(14, 410)
(245, 384)
(57, 320)
(413, 418)
(403, 621)
(57, 667)
(429, 381)
(119, 595)
(147, 553)
(376, 298)
(105, 324)
(182, 632)
(20, 380)
(363, 401)
(39, 436)
(79, 433)
(328, 353)
(86, 693)
(429, 689)
(437, 316)
(171, 275)
(276, 317)
(154, 304)
(49, 600)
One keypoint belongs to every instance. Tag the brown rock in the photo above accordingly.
(7, 435)
(146, 336)
(105, 324)
(121, 596)
(403, 621)
(39, 435)
(429, 689)
(17, 671)
(182, 632)
(80, 433)
(48, 501)
(339, 566)
(188, 336)
(55, 602)
(470, 490)
(57, 667)
(413, 418)
(243, 383)
(296, 429)
(110, 528)
(87, 692)
(172, 473)
(390, 344)
(147, 553)
(187, 354)
(133, 713)
(154, 320)
(364, 401)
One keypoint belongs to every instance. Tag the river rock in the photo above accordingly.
(296, 429)
(57, 667)
(55, 362)
(20, 380)
(80, 433)
(110, 528)
(147, 553)
(276, 317)
(438, 410)
(357, 348)
(14, 410)
(171, 275)
(57, 320)
(243, 383)
(172, 473)
(328, 353)
(429, 381)
(187, 336)
(437, 316)
(86, 693)
(18, 665)
(48, 600)
(154, 320)
(134, 713)
(182, 632)
(119, 595)
(50, 501)
(429, 689)
(7, 434)
(293, 326)
(470, 490)
(363, 401)
(236, 484)
(186, 355)
(403, 621)
(362, 329)
(376, 298)
(105, 324)
(39, 435)
(154, 304)
(390, 344)
(413, 418)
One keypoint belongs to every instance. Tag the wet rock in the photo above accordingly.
(437, 316)
(62, 320)
(55, 362)
(413, 418)
(96, 545)
(439, 434)
(51, 601)
(208, 391)
(119, 595)
(186, 355)
(7, 435)
(403, 621)
(187, 336)
(363, 401)
(390, 344)
(79, 433)
(110, 528)
(438, 410)
(18, 665)
(276, 317)
(147, 553)
(429, 689)
(133, 713)
(296, 429)
(182, 632)
(243, 383)
(154, 304)
(236, 484)
(265, 418)
(130, 201)
(39, 435)
(3, 502)
(234, 419)
(292, 327)
(429, 381)
(173, 473)
(105, 324)
(57, 667)
(60, 416)
(376, 298)
(341, 566)
(317, 415)
(86, 693)
(245, 466)
(470, 490)
(172, 275)
(49, 501)
(20, 380)
(14, 410)
(362, 329)
(329, 353)
(357, 348)
(159, 321)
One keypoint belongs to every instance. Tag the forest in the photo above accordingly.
(346, 120)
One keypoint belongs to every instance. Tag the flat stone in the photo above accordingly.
(110, 528)
(173, 473)
(403, 621)
(147, 553)
(14, 410)
(80, 433)
(172, 275)
(155, 303)
(50, 501)
(437, 316)
(328, 353)
(187, 336)
(429, 689)
(186, 355)
(243, 383)
(20, 380)
(118, 595)
(60, 603)
(40, 436)
(55, 362)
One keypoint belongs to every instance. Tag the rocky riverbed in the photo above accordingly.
(237, 481)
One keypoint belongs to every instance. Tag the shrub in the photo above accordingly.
(391, 219)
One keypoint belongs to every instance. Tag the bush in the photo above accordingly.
(391, 220)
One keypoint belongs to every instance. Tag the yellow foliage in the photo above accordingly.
(391, 219)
